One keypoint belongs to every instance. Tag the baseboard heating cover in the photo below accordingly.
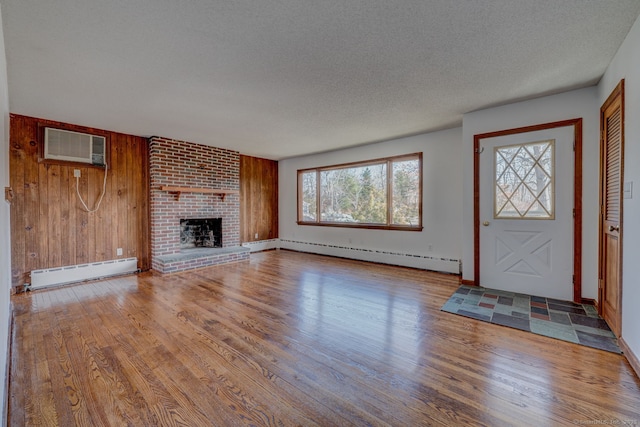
(420, 261)
(81, 272)
(262, 245)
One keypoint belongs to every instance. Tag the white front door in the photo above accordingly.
(526, 212)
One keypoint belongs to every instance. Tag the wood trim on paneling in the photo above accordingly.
(577, 202)
(49, 228)
(258, 199)
(8, 194)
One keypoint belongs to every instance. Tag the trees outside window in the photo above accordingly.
(382, 193)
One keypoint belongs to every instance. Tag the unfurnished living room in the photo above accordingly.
(320, 213)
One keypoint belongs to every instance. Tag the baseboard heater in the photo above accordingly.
(82, 272)
(423, 262)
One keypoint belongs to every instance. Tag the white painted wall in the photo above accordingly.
(626, 65)
(569, 105)
(442, 204)
(5, 246)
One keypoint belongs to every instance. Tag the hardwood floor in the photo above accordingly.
(295, 339)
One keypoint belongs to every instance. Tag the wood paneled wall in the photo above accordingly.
(258, 199)
(49, 227)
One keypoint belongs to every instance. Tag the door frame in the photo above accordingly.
(618, 92)
(577, 196)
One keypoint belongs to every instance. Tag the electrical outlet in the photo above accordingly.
(256, 235)
(119, 252)
(430, 248)
(76, 173)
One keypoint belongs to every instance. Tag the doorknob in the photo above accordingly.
(486, 223)
(614, 228)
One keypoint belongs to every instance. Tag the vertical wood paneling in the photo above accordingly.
(143, 234)
(53, 208)
(90, 200)
(17, 175)
(49, 227)
(39, 234)
(258, 199)
(109, 248)
(132, 159)
(82, 231)
(72, 218)
(31, 211)
(121, 192)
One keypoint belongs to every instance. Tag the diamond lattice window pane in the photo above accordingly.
(524, 181)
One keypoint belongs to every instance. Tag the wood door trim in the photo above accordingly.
(616, 94)
(577, 195)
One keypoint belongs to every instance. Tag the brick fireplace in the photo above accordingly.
(193, 167)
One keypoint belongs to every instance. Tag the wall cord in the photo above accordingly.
(104, 190)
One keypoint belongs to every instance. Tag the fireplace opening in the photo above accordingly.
(201, 233)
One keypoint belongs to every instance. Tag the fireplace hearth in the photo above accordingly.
(201, 233)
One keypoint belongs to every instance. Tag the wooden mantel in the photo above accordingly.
(180, 190)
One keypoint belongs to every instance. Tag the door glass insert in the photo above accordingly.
(524, 181)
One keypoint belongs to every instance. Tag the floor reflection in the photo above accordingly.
(360, 318)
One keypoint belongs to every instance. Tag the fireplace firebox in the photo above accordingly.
(201, 233)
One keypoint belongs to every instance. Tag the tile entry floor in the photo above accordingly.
(564, 320)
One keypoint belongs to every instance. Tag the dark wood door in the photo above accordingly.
(610, 253)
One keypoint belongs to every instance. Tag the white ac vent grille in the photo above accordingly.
(74, 146)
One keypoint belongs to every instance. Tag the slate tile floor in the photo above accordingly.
(564, 320)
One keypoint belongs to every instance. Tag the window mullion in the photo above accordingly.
(389, 192)
(318, 207)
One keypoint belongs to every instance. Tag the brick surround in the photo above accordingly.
(185, 164)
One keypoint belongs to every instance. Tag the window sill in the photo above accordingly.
(365, 226)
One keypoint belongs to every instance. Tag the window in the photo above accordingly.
(524, 181)
(382, 193)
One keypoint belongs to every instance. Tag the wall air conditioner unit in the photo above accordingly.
(74, 146)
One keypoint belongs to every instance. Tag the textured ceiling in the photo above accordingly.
(280, 78)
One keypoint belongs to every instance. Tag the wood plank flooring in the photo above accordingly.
(295, 339)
